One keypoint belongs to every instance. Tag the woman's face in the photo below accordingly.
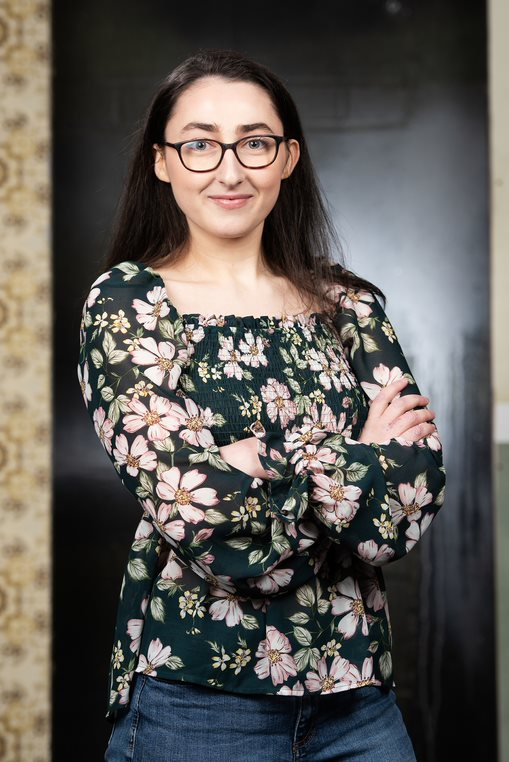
(225, 111)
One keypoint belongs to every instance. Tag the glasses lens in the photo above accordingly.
(257, 151)
(201, 154)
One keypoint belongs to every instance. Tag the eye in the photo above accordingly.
(199, 146)
(256, 144)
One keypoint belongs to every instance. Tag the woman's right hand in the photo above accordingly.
(390, 417)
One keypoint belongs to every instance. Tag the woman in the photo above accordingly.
(253, 397)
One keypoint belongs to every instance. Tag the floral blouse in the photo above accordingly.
(253, 585)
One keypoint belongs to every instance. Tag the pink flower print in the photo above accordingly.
(412, 499)
(163, 359)
(94, 292)
(160, 417)
(226, 608)
(416, 529)
(297, 690)
(314, 458)
(318, 361)
(172, 569)
(279, 402)
(252, 349)
(273, 581)
(351, 605)
(384, 376)
(196, 423)
(330, 681)
(136, 459)
(337, 502)
(174, 529)
(276, 659)
(194, 334)
(157, 307)
(103, 427)
(352, 301)
(181, 488)
(366, 677)
(144, 530)
(224, 581)
(432, 441)
(156, 657)
(83, 378)
(372, 553)
(372, 593)
(135, 627)
(231, 357)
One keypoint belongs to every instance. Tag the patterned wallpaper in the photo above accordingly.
(25, 383)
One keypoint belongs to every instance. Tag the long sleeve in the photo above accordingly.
(378, 499)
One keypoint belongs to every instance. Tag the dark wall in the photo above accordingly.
(393, 99)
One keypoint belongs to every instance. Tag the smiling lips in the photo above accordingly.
(231, 201)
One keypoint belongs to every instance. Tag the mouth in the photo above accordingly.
(230, 201)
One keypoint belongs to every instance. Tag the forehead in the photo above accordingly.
(224, 102)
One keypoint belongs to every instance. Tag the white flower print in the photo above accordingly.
(366, 676)
(276, 659)
(135, 627)
(412, 500)
(83, 378)
(160, 417)
(157, 307)
(273, 581)
(372, 553)
(252, 349)
(416, 529)
(174, 529)
(181, 488)
(351, 605)
(231, 357)
(196, 422)
(352, 301)
(173, 568)
(330, 681)
(279, 402)
(383, 376)
(163, 359)
(136, 459)
(103, 428)
(297, 690)
(156, 657)
(226, 608)
(144, 530)
(318, 361)
(337, 502)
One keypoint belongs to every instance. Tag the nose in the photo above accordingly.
(230, 171)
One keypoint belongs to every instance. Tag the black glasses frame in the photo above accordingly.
(224, 147)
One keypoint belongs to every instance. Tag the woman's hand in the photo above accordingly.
(389, 417)
(243, 455)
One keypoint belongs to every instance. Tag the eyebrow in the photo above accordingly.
(241, 128)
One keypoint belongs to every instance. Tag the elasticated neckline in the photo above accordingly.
(248, 321)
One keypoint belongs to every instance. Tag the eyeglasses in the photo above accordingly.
(204, 155)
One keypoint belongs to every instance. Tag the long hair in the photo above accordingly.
(299, 237)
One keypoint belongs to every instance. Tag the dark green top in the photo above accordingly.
(253, 585)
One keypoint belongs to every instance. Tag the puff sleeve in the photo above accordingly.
(378, 499)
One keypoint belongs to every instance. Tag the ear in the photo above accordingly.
(160, 164)
(293, 154)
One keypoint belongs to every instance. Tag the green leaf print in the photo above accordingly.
(303, 636)
(137, 569)
(249, 622)
(300, 617)
(157, 609)
(305, 596)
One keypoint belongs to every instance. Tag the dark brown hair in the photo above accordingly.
(298, 234)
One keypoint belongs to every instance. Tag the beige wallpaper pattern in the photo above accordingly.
(25, 355)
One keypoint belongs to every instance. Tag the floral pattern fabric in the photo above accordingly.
(253, 585)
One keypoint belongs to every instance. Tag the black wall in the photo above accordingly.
(393, 98)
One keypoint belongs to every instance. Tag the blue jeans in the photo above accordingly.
(187, 722)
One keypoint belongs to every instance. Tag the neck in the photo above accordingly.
(223, 260)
